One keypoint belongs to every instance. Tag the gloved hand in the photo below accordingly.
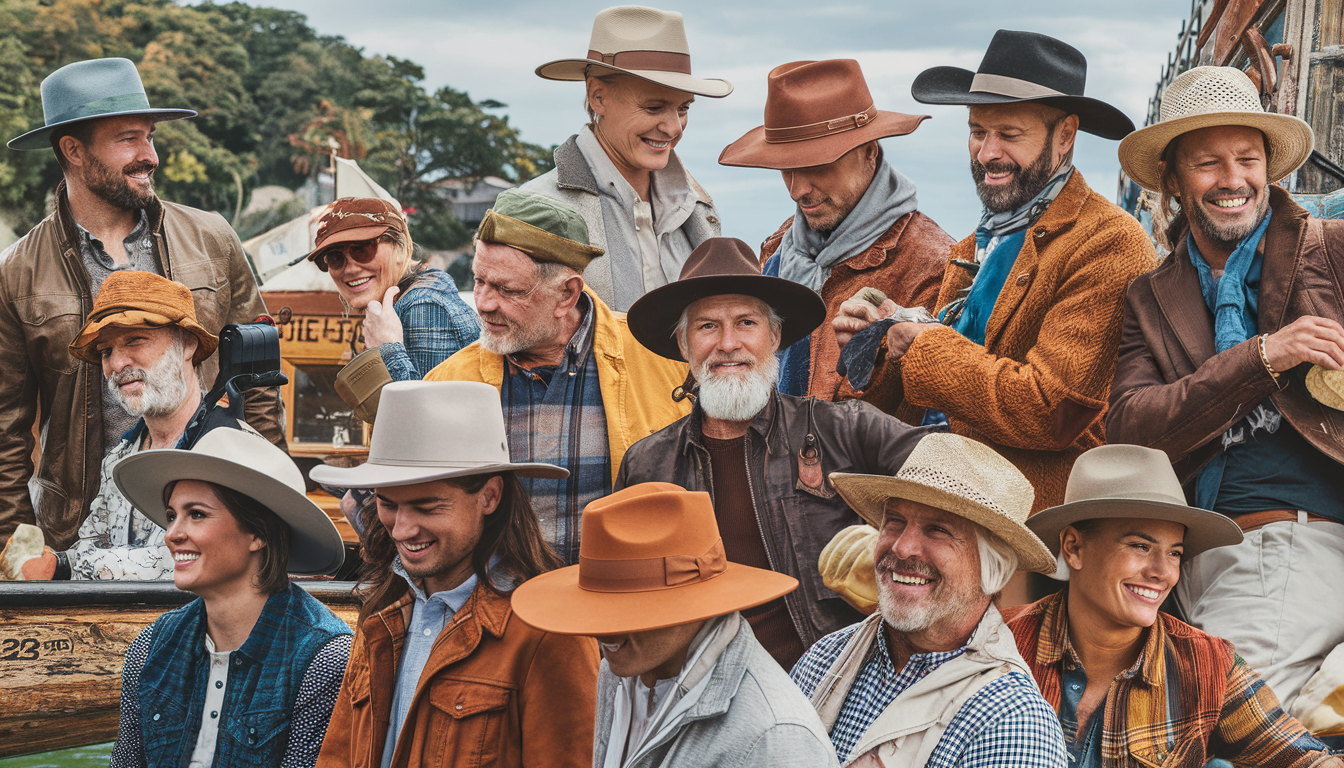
(846, 566)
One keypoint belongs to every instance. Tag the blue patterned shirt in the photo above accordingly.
(1006, 723)
(554, 414)
(435, 323)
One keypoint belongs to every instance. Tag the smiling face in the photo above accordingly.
(118, 163)
(148, 370)
(638, 122)
(1220, 176)
(825, 194)
(359, 283)
(1122, 569)
(656, 654)
(520, 308)
(436, 526)
(928, 570)
(1015, 151)
(730, 343)
(212, 554)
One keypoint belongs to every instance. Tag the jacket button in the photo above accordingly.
(156, 717)
(1024, 278)
(459, 707)
(1040, 233)
(251, 730)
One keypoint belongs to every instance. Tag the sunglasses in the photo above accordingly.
(334, 257)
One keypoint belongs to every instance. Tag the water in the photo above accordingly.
(92, 756)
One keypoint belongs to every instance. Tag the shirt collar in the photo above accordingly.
(580, 343)
(1053, 643)
(454, 598)
(141, 227)
(671, 189)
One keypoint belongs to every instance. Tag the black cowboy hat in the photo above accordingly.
(719, 266)
(1025, 67)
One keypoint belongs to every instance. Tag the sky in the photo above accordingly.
(491, 49)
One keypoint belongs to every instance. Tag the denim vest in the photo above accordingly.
(264, 678)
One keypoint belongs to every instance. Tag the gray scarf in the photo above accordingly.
(807, 257)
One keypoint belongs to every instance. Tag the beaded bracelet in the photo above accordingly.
(1264, 357)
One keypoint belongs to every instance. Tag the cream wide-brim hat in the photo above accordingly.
(644, 42)
(958, 475)
(1205, 97)
(1326, 387)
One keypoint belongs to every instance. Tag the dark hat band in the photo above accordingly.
(823, 128)
(1014, 87)
(127, 102)
(651, 573)
(657, 61)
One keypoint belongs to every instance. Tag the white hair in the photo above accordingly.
(998, 561)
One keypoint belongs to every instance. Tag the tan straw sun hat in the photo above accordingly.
(1326, 387)
(958, 475)
(1205, 97)
(644, 42)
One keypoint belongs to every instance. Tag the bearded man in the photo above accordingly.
(763, 456)
(107, 218)
(144, 334)
(1021, 353)
(576, 388)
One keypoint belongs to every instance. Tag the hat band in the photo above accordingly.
(1011, 86)
(124, 103)
(651, 573)
(824, 128)
(657, 61)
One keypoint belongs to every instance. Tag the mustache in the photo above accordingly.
(127, 376)
(997, 166)
(1212, 194)
(140, 166)
(909, 565)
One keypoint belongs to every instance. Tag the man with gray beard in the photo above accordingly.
(763, 456)
(143, 332)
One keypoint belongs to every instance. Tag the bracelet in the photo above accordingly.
(1264, 357)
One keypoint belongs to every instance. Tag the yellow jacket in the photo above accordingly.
(636, 384)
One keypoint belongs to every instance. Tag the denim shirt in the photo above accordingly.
(1085, 751)
(264, 680)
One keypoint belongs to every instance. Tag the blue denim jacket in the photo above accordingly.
(267, 670)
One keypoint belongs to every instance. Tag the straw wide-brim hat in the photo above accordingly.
(434, 430)
(1326, 387)
(959, 475)
(134, 299)
(1131, 481)
(815, 112)
(1205, 97)
(650, 557)
(720, 266)
(644, 42)
(247, 463)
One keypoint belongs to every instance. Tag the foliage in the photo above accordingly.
(273, 97)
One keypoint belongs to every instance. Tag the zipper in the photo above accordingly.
(756, 510)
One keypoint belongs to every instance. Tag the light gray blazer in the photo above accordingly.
(751, 714)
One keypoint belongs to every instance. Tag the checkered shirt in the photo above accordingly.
(1006, 723)
(435, 324)
(554, 414)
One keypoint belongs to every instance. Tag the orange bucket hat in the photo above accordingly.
(650, 557)
(132, 299)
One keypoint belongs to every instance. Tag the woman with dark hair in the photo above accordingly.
(246, 674)
(441, 673)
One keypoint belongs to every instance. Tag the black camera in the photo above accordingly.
(249, 357)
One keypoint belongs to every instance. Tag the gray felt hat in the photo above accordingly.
(88, 90)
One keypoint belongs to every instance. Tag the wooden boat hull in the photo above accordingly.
(62, 645)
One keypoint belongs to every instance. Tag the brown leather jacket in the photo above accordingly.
(44, 301)
(1171, 391)
(906, 263)
(495, 692)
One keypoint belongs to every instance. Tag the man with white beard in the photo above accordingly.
(762, 455)
(143, 332)
(576, 388)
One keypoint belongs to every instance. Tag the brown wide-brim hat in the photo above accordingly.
(815, 112)
(1131, 481)
(643, 42)
(1205, 97)
(959, 475)
(717, 267)
(650, 557)
(133, 299)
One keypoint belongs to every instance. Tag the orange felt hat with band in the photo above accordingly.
(650, 557)
(132, 299)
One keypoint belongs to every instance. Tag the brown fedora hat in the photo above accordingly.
(134, 299)
(650, 557)
(815, 112)
(719, 266)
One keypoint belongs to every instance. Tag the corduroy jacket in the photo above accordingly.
(44, 301)
(906, 263)
(495, 692)
(1036, 390)
(1188, 699)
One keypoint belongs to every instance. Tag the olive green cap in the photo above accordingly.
(540, 226)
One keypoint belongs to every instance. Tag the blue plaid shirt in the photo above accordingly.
(1006, 723)
(435, 323)
(555, 414)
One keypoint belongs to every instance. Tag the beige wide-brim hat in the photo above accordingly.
(247, 463)
(958, 475)
(1130, 481)
(644, 42)
(434, 430)
(1205, 97)
(1326, 387)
